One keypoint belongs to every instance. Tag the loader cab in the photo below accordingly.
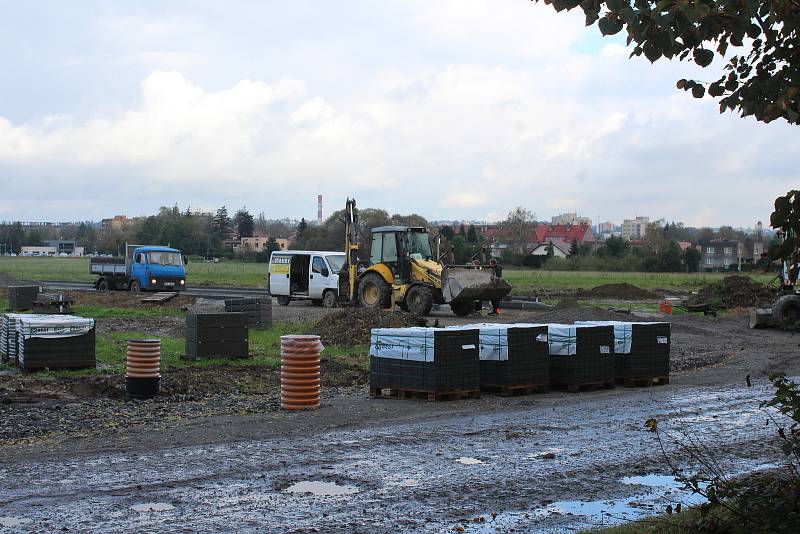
(395, 246)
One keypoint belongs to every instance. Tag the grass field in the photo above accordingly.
(238, 274)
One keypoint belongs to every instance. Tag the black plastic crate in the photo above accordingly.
(22, 297)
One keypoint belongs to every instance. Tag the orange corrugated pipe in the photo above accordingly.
(144, 358)
(300, 385)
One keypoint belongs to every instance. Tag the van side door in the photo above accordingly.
(318, 278)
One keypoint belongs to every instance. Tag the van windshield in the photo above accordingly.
(336, 262)
(164, 258)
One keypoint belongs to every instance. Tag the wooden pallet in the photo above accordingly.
(457, 394)
(518, 389)
(645, 382)
(588, 386)
(161, 296)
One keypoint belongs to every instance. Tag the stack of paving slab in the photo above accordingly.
(37, 341)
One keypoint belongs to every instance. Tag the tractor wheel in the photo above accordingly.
(329, 299)
(135, 287)
(786, 312)
(419, 300)
(374, 292)
(283, 300)
(102, 285)
(462, 308)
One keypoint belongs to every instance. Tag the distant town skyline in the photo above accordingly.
(454, 110)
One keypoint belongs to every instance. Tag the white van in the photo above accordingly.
(305, 275)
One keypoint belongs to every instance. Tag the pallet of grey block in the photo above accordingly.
(55, 342)
(435, 363)
(20, 298)
(514, 358)
(213, 335)
(258, 309)
(641, 351)
(8, 338)
(581, 356)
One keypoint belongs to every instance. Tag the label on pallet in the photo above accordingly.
(50, 326)
(542, 338)
(662, 340)
(467, 347)
(605, 349)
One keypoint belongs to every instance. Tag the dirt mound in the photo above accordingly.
(581, 313)
(617, 291)
(352, 326)
(734, 291)
(567, 303)
(122, 299)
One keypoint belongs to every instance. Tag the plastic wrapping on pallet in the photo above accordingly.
(623, 332)
(53, 326)
(494, 338)
(413, 343)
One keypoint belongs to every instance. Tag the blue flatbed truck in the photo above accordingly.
(144, 268)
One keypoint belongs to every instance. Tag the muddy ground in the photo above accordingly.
(75, 456)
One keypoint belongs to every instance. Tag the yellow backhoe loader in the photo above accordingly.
(402, 270)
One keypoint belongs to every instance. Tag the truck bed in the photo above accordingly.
(107, 266)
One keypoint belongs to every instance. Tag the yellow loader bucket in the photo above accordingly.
(472, 283)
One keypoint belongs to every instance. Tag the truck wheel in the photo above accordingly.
(374, 292)
(135, 287)
(102, 285)
(329, 299)
(283, 300)
(786, 312)
(462, 308)
(419, 300)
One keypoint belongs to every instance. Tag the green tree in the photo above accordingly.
(518, 224)
(472, 234)
(761, 79)
(302, 227)
(691, 259)
(244, 223)
(573, 248)
(220, 227)
(447, 232)
(615, 247)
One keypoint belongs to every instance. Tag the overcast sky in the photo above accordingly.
(452, 109)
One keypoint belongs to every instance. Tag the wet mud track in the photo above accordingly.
(435, 472)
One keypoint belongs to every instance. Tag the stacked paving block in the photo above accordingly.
(258, 310)
(8, 338)
(21, 298)
(513, 357)
(641, 351)
(431, 361)
(581, 357)
(55, 342)
(217, 335)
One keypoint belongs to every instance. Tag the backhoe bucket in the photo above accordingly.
(472, 283)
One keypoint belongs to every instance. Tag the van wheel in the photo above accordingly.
(329, 299)
(283, 300)
(135, 287)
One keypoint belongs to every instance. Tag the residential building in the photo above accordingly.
(558, 250)
(721, 254)
(116, 223)
(606, 228)
(634, 229)
(570, 218)
(561, 235)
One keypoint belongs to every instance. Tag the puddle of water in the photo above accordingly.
(321, 489)
(653, 481)
(152, 507)
(12, 522)
(469, 461)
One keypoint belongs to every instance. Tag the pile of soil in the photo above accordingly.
(734, 291)
(581, 313)
(352, 326)
(123, 299)
(621, 291)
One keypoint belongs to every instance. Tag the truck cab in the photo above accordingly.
(156, 269)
